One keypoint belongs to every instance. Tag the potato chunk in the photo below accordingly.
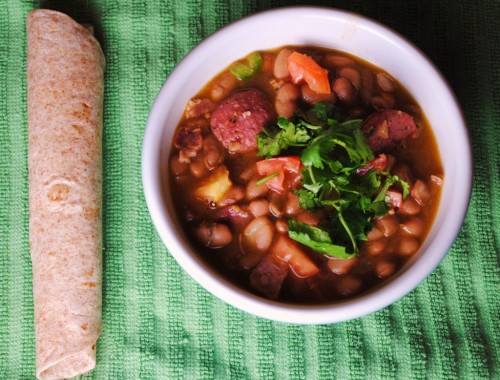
(215, 186)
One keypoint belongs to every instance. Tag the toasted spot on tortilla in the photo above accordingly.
(59, 192)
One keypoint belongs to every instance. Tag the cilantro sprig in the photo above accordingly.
(288, 134)
(332, 152)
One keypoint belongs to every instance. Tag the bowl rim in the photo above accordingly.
(230, 293)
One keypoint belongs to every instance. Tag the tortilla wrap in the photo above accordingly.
(65, 71)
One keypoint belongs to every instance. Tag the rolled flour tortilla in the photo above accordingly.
(65, 70)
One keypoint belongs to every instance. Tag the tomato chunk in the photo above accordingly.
(287, 250)
(379, 164)
(278, 165)
(303, 67)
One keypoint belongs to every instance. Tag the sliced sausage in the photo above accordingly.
(386, 128)
(189, 142)
(238, 119)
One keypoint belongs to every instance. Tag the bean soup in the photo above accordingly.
(305, 175)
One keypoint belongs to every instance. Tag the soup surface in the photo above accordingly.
(305, 175)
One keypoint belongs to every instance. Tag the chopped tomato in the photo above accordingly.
(289, 163)
(278, 165)
(303, 67)
(379, 163)
(287, 250)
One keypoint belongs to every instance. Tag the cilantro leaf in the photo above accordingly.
(321, 112)
(285, 134)
(316, 238)
(389, 181)
(307, 199)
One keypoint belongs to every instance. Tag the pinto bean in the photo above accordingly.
(277, 202)
(375, 247)
(281, 64)
(258, 235)
(385, 82)
(349, 285)
(294, 180)
(388, 98)
(233, 195)
(344, 89)
(222, 86)
(281, 226)
(213, 235)
(420, 191)
(275, 209)
(408, 246)
(213, 154)
(292, 206)
(388, 224)
(335, 61)
(221, 235)
(176, 167)
(380, 102)
(385, 268)
(212, 158)
(248, 173)
(250, 259)
(341, 266)
(286, 100)
(367, 85)
(352, 75)
(312, 97)
(259, 207)
(374, 234)
(198, 168)
(199, 107)
(253, 191)
(409, 207)
(414, 226)
(268, 61)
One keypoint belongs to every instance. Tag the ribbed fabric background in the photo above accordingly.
(158, 323)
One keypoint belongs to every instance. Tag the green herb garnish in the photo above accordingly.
(332, 152)
(316, 238)
(267, 178)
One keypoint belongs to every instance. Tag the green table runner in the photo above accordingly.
(158, 323)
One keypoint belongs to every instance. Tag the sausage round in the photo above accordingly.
(238, 119)
(386, 128)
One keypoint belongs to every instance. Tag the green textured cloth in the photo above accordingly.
(158, 323)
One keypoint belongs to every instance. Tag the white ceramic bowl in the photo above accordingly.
(333, 29)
